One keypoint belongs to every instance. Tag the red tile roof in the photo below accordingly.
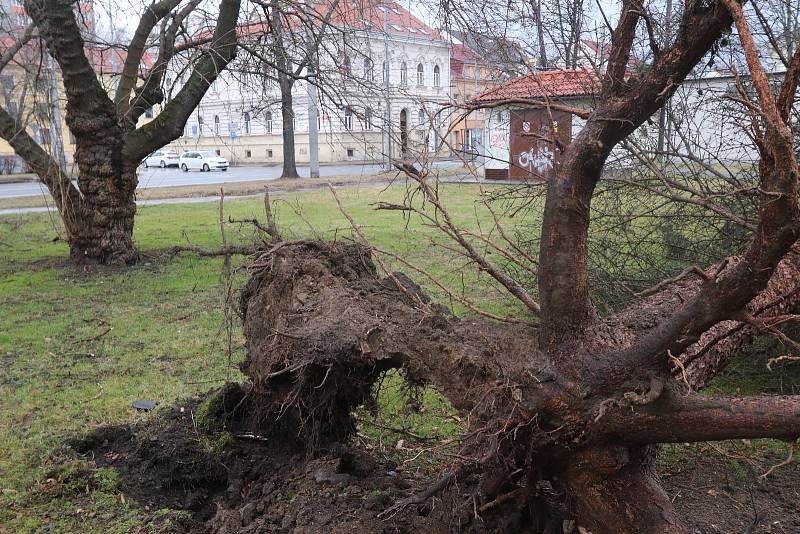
(361, 15)
(550, 83)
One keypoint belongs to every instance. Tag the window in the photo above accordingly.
(403, 73)
(344, 68)
(437, 77)
(218, 152)
(385, 72)
(200, 123)
(269, 154)
(348, 118)
(421, 117)
(248, 154)
(478, 72)
(246, 122)
(350, 152)
(148, 113)
(216, 124)
(368, 71)
(420, 74)
(368, 119)
(268, 121)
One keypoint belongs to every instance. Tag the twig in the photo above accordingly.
(787, 461)
(501, 499)
(395, 430)
(784, 358)
(94, 338)
(661, 285)
(271, 229)
(419, 498)
(411, 294)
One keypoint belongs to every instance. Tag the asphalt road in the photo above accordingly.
(155, 177)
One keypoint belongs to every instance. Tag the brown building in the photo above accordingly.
(470, 76)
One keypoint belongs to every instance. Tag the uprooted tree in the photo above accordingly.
(565, 410)
(98, 215)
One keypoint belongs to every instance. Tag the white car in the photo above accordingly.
(204, 161)
(162, 158)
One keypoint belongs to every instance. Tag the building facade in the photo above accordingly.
(379, 94)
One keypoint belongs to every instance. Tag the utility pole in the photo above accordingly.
(313, 108)
(313, 130)
(663, 114)
(387, 118)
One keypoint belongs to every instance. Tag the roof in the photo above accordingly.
(107, 60)
(495, 49)
(367, 15)
(545, 84)
(463, 53)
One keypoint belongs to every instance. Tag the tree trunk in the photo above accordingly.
(103, 229)
(287, 116)
(616, 490)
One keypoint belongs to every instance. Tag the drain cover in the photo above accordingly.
(145, 405)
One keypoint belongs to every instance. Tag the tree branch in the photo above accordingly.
(168, 125)
(677, 418)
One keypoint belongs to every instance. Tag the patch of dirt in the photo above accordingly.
(235, 482)
(715, 494)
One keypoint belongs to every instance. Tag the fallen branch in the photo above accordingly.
(229, 250)
(419, 498)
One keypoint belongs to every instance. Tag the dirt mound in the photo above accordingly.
(232, 481)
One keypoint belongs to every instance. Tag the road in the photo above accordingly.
(156, 177)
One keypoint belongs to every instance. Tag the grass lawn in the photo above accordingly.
(77, 348)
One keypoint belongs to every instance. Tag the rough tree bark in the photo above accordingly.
(98, 214)
(568, 413)
(287, 116)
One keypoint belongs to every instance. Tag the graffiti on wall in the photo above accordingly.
(537, 159)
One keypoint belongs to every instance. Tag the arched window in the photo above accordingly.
(403, 73)
(246, 122)
(216, 124)
(368, 71)
(268, 121)
(348, 118)
(437, 77)
(368, 119)
(420, 74)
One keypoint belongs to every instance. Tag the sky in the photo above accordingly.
(125, 13)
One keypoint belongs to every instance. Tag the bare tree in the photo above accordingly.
(565, 404)
(98, 214)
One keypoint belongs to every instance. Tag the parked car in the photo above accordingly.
(162, 158)
(204, 161)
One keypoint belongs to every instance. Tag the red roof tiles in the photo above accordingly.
(551, 84)
(360, 15)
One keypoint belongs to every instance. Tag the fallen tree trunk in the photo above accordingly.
(322, 326)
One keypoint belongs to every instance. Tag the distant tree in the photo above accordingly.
(98, 214)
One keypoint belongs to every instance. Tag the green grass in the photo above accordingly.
(77, 348)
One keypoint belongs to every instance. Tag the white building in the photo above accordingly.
(354, 96)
